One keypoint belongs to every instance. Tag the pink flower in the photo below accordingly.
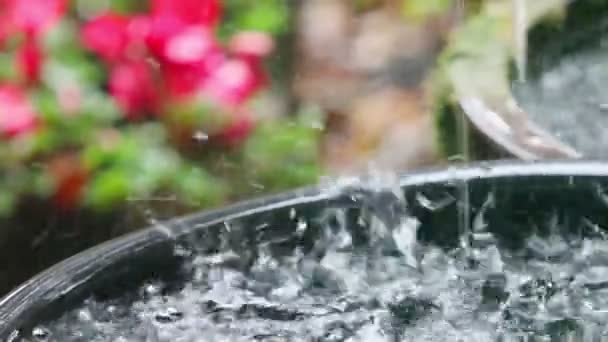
(251, 44)
(17, 116)
(232, 83)
(36, 16)
(29, 61)
(161, 29)
(107, 36)
(191, 45)
(205, 12)
(133, 87)
(138, 29)
(186, 79)
(173, 40)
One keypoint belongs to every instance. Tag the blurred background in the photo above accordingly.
(118, 114)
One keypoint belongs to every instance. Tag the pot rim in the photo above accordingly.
(64, 277)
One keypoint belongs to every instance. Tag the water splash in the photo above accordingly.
(368, 279)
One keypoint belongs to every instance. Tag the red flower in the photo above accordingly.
(161, 29)
(5, 25)
(17, 116)
(36, 16)
(182, 80)
(234, 82)
(107, 36)
(70, 179)
(205, 12)
(138, 29)
(133, 87)
(172, 40)
(186, 79)
(237, 131)
(29, 61)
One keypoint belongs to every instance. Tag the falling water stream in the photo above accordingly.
(520, 33)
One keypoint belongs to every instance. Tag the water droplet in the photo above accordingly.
(301, 227)
(40, 333)
(84, 315)
(200, 136)
(152, 289)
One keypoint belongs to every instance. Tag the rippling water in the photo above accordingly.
(570, 101)
(387, 287)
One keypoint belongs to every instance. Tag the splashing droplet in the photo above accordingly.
(201, 136)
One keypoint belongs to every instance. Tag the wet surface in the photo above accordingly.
(369, 280)
(571, 102)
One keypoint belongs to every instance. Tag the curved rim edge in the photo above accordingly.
(56, 281)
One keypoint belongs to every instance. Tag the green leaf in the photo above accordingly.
(266, 15)
(127, 6)
(271, 16)
(109, 189)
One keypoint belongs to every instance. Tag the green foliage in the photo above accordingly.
(141, 164)
(271, 16)
(283, 155)
(422, 9)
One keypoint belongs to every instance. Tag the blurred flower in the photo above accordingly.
(17, 116)
(35, 17)
(106, 36)
(191, 45)
(187, 79)
(161, 28)
(133, 87)
(69, 97)
(234, 81)
(138, 29)
(172, 40)
(70, 178)
(238, 131)
(5, 26)
(182, 80)
(29, 61)
(205, 12)
(252, 44)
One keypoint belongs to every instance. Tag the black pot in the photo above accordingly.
(525, 195)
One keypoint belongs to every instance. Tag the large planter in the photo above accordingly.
(525, 195)
(474, 84)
